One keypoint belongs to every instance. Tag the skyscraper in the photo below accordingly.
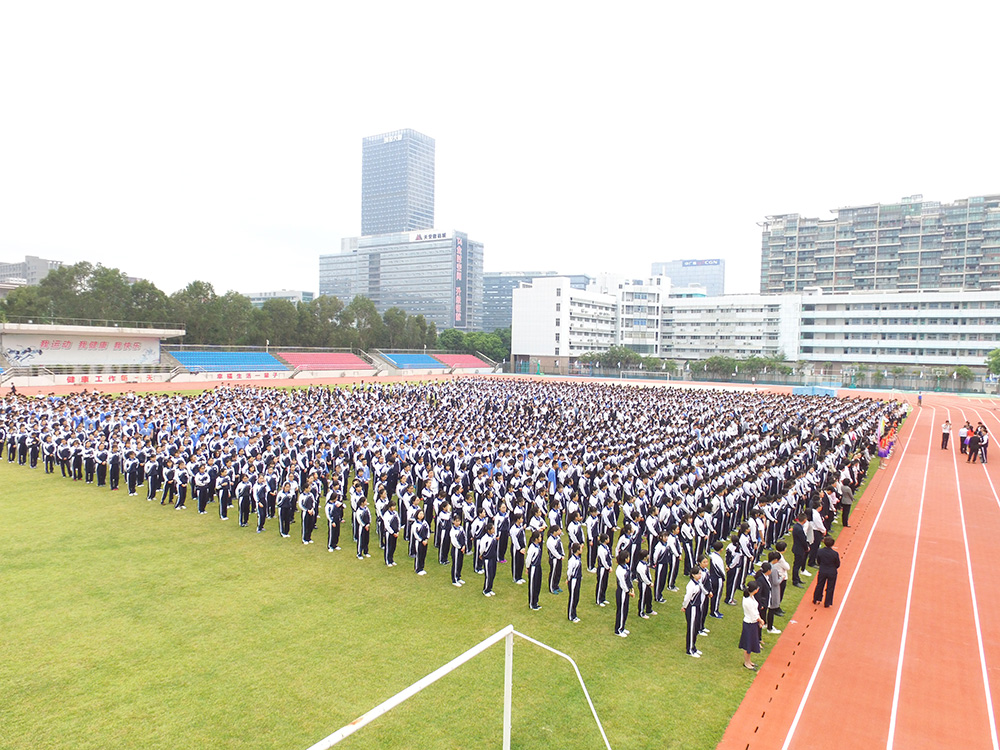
(397, 182)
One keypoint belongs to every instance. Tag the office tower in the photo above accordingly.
(435, 273)
(397, 182)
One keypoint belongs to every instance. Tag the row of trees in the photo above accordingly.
(85, 291)
(623, 358)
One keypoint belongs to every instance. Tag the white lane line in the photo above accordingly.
(909, 594)
(915, 414)
(975, 608)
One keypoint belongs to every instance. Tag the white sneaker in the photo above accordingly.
(623, 634)
(807, 573)
(457, 584)
(422, 573)
(704, 631)
(775, 631)
(695, 654)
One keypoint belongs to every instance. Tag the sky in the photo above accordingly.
(221, 141)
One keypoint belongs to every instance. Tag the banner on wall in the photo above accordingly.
(31, 349)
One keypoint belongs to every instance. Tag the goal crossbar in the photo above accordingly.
(506, 635)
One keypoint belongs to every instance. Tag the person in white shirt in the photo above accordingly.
(752, 623)
(945, 434)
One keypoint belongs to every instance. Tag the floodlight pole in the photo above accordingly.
(508, 685)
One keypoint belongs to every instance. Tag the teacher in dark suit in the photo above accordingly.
(829, 562)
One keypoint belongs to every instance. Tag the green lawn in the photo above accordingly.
(127, 624)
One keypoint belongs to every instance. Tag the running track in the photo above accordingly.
(909, 655)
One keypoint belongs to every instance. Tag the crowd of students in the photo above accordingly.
(631, 483)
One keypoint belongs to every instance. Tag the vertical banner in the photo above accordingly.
(461, 280)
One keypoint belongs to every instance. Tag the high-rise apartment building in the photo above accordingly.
(707, 272)
(906, 246)
(434, 273)
(397, 182)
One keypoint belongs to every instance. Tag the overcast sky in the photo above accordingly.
(222, 140)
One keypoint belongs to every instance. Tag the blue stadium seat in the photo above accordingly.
(228, 361)
(414, 361)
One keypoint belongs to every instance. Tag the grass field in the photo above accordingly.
(127, 624)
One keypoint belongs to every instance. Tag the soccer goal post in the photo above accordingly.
(507, 636)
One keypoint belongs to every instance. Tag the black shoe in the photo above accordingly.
(798, 585)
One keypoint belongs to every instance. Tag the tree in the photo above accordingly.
(281, 322)
(720, 366)
(67, 287)
(28, 302)
(149, 304)
(395, 320)
(452, 339)
(430, 338)
(363, 322)
(195, 307)
(964, 374)
(993, 362)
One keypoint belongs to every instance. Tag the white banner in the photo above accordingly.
(31, 349)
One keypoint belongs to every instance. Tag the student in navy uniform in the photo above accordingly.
(660, 567)
(459, 544)
(826, 579)
(518, 546)
(593, 525)
(390, 522)
(307, 504)
(334, 517)
(260, 502)
(574, 580)
(645, 584)
(181, 477)
(244, 499)
(673, 557)
(131, 467)
(489, 552)
(48, 455)
(604, 564)
(286, 509)
(800, 550)
(224, 486)
(202, 480)
(623, 592)
(422, 534)
(716, 578)
(102, 456)
(556, 555)
(442, 533)
(533, 559)
(734, 566)
(692, 611)
(363, 523)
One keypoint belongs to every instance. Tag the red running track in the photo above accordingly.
(909, 653)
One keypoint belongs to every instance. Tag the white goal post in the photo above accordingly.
(507, 635)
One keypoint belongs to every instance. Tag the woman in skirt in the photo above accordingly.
(752, 623)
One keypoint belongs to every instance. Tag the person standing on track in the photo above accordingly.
(975, 442)
(829, 562)
(945, 434)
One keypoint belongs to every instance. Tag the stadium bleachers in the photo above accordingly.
(461, 361)
(228, 361)
(325, 361)
(414, 361)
